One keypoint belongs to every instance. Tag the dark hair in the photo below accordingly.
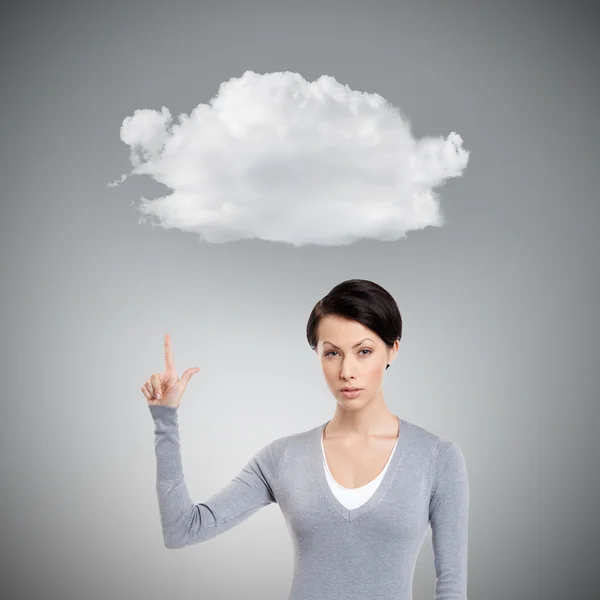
(363, 301)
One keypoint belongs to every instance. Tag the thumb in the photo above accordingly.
(185, 377)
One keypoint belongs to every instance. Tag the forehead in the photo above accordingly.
(340, 331)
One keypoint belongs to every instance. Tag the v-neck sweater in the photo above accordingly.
(364, 553)
(354, 497)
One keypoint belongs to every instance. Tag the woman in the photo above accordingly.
(358, 492)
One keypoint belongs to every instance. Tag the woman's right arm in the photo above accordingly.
(185, 523)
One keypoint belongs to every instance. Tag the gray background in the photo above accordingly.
(499, 351)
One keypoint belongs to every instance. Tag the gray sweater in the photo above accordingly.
(366, 553)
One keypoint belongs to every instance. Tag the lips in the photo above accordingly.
(349, 389)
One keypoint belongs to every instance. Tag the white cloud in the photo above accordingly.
(278, 158)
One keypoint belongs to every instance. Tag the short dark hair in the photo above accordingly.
(363, 301)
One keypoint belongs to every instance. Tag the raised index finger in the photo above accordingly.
(168, 353)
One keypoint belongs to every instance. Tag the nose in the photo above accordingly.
(348, 370)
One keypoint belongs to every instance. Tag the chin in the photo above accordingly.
(352, 405)
(358, 401)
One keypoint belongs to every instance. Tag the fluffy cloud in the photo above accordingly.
(278, 158)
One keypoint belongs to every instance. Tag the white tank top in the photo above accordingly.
(351, 498)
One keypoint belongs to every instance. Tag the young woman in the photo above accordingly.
(357, 492)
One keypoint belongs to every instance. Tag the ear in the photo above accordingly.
(393, 351)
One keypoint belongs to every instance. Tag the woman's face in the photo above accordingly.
(348, 359)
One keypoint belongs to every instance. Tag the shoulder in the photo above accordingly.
(419, 436)
(298, 443)
(449, 467)
(276, 448)
(422, 442)
(270, 457)
(439, 447)
(443, 455)
(271, 453)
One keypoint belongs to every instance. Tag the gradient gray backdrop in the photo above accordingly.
(499, 351)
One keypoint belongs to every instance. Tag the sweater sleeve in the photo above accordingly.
(449, 519)
(184, 522)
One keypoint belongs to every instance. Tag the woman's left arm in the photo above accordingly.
(449, 519)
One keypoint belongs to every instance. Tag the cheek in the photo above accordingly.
(375, 372)
(328, 368)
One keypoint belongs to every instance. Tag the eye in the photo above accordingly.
(367, 349)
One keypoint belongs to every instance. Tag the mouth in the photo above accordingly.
(350, 392)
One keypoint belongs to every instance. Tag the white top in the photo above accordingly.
(354, 497)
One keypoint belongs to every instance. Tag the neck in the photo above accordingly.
(374, 418)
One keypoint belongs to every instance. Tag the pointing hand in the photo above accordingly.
(166, 388)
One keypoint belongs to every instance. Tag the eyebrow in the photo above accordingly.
(358, 344)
